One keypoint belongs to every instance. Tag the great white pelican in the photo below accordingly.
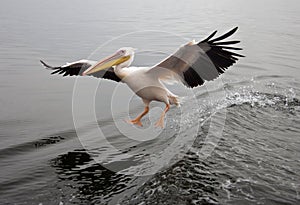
(192, 64)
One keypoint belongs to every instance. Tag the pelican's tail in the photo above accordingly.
(174, 100)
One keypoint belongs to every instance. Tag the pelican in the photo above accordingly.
(192, 64)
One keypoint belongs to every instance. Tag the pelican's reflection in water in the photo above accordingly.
(81, 181)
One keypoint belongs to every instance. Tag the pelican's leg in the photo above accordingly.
(160, 122)
(137, 120)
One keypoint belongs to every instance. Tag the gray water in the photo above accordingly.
(42, 158)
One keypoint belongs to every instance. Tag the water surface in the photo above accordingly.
(256, 160)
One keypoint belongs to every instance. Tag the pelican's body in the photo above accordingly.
(147, 87)
(192, 64)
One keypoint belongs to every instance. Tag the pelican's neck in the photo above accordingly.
(120, 71)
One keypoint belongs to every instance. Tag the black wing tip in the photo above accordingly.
(234, 29)
(222, 46)
(219, 51)
(46, 65)
(232, 48)
(240, 55)
(224, 43)
(231, 32)
(224, 36)
(209, 37)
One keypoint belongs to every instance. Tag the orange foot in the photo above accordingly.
(135, 122)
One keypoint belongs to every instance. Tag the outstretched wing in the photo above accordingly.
(78, 67)
(195, 63)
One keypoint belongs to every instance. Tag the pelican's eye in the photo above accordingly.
(122, 52)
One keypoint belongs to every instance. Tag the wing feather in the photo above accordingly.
(193, 64)
(78, 67)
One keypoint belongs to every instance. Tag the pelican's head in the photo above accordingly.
(122, 58)
(127, 51)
